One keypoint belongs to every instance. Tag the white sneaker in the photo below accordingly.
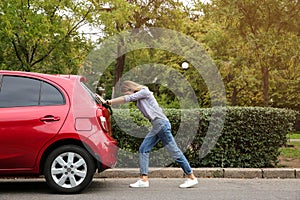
(189, 183)
(140, 184)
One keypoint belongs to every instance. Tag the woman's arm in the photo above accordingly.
(118, 100)
(143, 93)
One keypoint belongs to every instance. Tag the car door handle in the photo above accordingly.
(49, 118)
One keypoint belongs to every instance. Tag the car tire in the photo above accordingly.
(69, 169)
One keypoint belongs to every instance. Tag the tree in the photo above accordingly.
(117, 16)
(43, 35)
(252, 40)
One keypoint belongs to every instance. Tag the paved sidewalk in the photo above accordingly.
(205, 173)
(293, 140)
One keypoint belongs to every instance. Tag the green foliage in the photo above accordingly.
(136, 64)
(257, 53)
(119, 15)
(42, 35)
(251, 136)
(255, 44)
(122, 16)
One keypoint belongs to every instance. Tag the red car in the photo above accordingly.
(53, 125)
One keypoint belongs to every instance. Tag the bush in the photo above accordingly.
(249, 137)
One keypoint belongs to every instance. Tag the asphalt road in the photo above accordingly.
(167, 189)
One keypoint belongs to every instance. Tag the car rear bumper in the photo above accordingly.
(105, 151)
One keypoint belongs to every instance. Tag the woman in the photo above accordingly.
(161, 130)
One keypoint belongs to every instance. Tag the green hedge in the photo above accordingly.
(239, 136)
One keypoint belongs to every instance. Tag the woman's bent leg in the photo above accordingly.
(170, 144)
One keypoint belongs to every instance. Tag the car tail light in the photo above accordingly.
(103, 123)
(104, 120)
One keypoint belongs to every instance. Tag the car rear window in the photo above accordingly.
(92, 94)
(23, 91)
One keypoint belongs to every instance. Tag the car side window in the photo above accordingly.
(50, 95)
(22, 91)
(19, 91)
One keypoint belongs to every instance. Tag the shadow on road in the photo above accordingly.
(20, 186)
(39, 186)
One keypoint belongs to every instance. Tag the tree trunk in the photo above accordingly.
(119, 68)
(234, 96)
(265, 80)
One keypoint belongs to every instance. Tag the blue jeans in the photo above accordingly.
(161, 130)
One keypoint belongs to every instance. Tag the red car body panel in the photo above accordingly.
(27, 133)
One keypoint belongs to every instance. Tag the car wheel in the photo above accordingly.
(69, 169)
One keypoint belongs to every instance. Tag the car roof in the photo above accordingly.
(48, 76)
(67, 81)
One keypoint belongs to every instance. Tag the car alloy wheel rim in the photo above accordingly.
(69, 170)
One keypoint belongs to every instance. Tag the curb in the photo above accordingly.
(293, 140)
(245, 173)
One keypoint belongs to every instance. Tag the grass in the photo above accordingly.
(293, 135)
(290, 154)
(292, 150)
